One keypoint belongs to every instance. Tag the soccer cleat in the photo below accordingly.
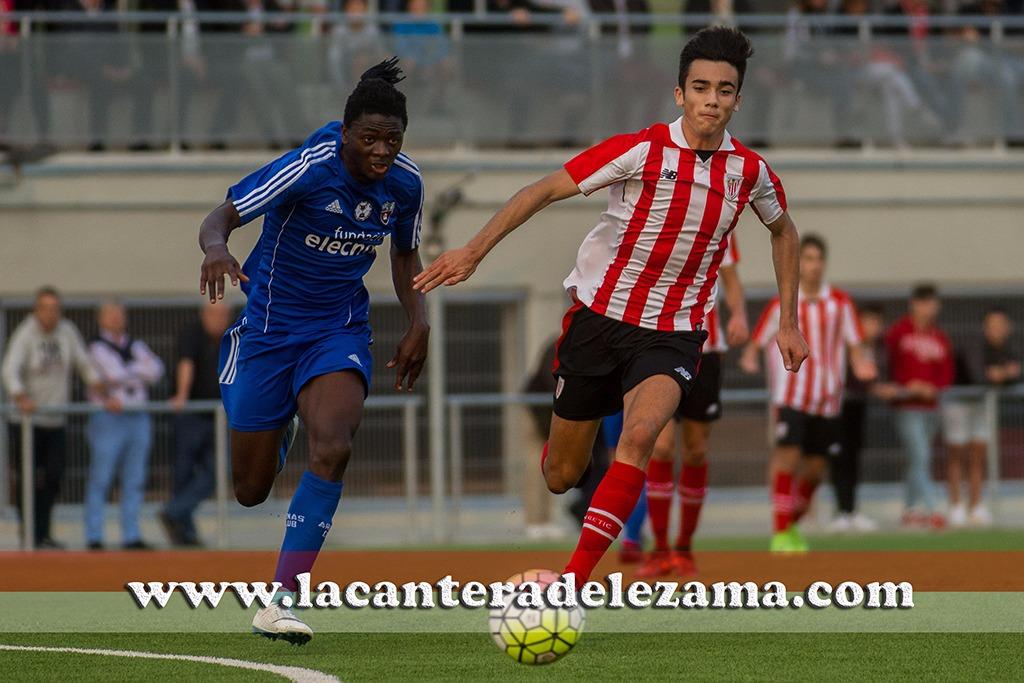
(863, 523)
(683, 564)
(275, 621)
(631, 552)
(958, 516)
(658, 563)
(797, 542)
(842, 523)
(286, 443)
(980, 516)
(936, 522)
(781, 543)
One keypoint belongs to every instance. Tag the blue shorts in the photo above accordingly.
(262, 374)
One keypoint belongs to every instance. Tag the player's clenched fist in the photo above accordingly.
(793, 347)
(451, 267)
(218, 263)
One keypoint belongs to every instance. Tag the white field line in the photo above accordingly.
(291, 673)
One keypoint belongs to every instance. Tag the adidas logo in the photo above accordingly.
(354, 358)
(334, 207)
(669, 174)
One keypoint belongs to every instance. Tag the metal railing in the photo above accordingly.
(222, 467)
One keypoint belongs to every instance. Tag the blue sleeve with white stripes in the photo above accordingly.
(406, 236)
(287, 178)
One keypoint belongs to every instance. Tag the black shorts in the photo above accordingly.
(704, 402)
(598, 360)
(813, 434)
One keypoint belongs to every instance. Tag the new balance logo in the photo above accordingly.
(682, 371)
(334, 207)
(669, 174)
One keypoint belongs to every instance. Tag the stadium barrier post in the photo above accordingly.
(411, 455)
(435, 410)
(171, 36)
(5, 455)
(993, 455)
(221, 463)
(28, 502)
(455, 465)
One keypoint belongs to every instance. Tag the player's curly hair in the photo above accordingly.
(716, 44)
(376, 93)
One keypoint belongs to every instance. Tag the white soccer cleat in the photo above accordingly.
(862, 523)
(980, 516)
(276, 622)
(958, 516)
(841, 524)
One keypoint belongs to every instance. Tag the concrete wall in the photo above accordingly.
(129, 226)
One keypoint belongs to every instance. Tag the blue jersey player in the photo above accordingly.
(302, 345)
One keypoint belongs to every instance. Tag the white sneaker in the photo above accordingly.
(841, 524)
(958, 516)
(276, 622)
(980, 516)
(863, 523)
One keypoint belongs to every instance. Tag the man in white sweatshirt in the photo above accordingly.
(119, 439)
(36, 371)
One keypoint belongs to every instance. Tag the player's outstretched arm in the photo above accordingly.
(213, 240)
(457, 265)
(412, 350)
(785, 256)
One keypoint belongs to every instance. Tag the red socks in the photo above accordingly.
(802, 498)
(659, 499)
(693, 483)
(611, 505)
(782, 500)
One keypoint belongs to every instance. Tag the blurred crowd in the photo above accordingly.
(908, 80)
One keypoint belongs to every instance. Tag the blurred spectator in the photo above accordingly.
(193, 466)
(425, 50)
(995, 363)
(10, 70)
(845, 468)
(921, 366)
(355, 45)
(119, 440)
(37, 374)
(983, 64)
(102, 67)
(221, 43)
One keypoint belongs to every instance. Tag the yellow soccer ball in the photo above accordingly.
(533, 635)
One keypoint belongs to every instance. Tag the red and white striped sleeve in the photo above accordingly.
(618, 158)
(853, 333)
(767, 197)
(768, 325)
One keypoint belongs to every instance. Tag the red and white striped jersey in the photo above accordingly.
(829, 323)
(653, 258)
(713, 323)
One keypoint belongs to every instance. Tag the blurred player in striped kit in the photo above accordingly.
(808, 429)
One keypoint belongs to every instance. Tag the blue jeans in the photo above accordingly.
(116, 442)
(917, 429)
(194, 478)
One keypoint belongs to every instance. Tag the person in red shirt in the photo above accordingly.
(921, 366)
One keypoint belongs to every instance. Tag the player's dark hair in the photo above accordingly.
(376, 93)
(716, 44)
(997, 310)
(47, 290)
(924, 291)
(873, 308)
(816, 241)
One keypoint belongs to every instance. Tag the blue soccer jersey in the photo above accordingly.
(321, 232)
(307, 313)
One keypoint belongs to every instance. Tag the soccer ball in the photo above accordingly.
(532, 635)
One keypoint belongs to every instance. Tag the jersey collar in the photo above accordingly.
(675, 130)
(824, 293)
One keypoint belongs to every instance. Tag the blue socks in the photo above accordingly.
(309, 519)
(634, 528)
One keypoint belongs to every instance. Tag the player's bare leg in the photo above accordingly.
(254, 464)
(781, 473)
(647, 409)
(660, 490)
(568, 451)
(331, 407)
(692, 486)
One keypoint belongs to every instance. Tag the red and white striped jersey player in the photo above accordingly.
(807, 403)
(645, 277)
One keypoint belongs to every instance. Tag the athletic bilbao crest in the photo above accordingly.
(363, 210)
(386, 211)
(732, 187)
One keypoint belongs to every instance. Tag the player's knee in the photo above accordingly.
(249, 494)
(637, 441)
(559, 478)
(695, 452)
(329, 455)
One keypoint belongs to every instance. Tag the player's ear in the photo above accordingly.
(739, 99)
(344, 134)
(679, 96)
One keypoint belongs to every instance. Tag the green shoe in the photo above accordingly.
(797, 542)
(781, 542)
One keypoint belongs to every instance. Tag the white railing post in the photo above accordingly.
(28, 485)
(221, 470)
(411, 455)
(456, 469)
(435, 410)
